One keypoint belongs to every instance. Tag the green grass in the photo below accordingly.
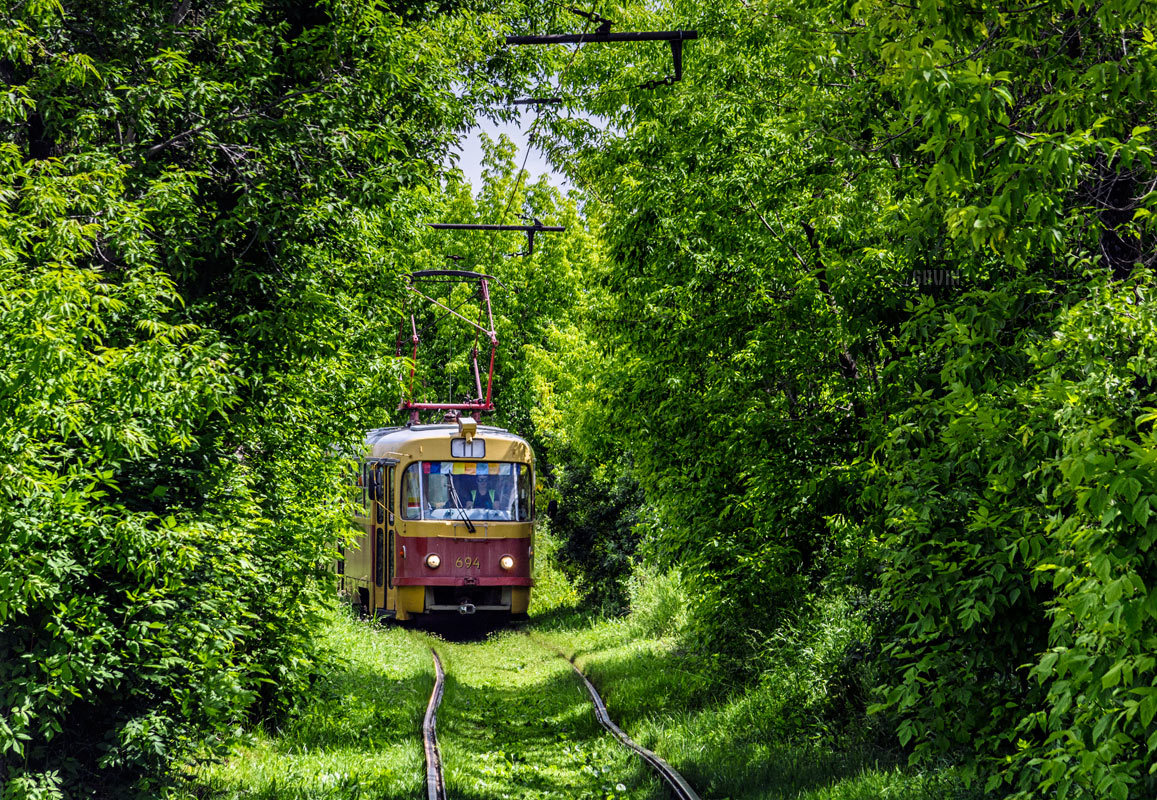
(359, 739)
(730, 743)
(516, 723)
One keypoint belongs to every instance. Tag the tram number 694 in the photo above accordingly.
(467, 563)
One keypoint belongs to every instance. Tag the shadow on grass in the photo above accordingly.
(562, 618)
(466, 628)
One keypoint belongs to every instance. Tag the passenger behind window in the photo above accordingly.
(504, 498)
(463, 490)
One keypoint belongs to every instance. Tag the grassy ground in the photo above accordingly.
(359, 739)
(730, 745)
(516, 723)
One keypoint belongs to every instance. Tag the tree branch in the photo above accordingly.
(236, 114)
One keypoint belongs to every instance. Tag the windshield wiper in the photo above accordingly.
(458, 505)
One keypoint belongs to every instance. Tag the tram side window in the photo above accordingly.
(525, 493)
(368, 481)
(359, 490)
(412, 492)
(379, 492)
(391, 507)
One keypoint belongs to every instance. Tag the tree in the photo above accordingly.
(198, 249)
(879, 284)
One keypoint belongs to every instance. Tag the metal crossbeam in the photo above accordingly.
(675, 38)
(529, 230)
(591, 38)
(468, 226)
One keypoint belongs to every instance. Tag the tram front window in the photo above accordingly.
(482, 491)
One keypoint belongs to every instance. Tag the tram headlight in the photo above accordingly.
(506, 562)
(433, 561)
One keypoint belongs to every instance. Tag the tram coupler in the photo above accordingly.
(466, 608)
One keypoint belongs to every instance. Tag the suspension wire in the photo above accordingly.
(575, 102)
(491, 254)
(572, 101)
(530, 139)
(531, 133)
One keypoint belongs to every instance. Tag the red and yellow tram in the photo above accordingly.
(445, 522)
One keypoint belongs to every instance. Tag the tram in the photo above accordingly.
(443, 511)
(445, 522)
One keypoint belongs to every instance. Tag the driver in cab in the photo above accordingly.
(483, 496)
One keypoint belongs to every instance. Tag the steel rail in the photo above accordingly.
(674, 780)
(435, 786)
(679, 786)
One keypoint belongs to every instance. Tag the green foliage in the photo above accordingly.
(877, 295)
(199, 282)
(659, 602)
(1034, 551)
(554, 595)
(124, 629)
(857, 317)
(597, 517)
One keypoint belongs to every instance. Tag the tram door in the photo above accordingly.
(390, 524)
(377, 537)
(382, 520)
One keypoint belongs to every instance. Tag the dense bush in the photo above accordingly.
(598, 511)
(877, 295)
(1019, 519)
(123, 629)
(201, 209)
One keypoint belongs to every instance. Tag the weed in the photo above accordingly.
(516, 723)
(358, 739)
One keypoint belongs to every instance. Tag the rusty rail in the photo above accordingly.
(435, 786)
(677, 783)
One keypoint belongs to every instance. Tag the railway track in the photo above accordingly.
(436, 787)
(679, 787)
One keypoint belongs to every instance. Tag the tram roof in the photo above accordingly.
(398, 435)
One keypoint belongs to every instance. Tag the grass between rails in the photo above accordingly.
(516, 723)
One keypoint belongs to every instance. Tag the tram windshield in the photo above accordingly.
(482, 491)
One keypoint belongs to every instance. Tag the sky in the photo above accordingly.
(470, 160)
